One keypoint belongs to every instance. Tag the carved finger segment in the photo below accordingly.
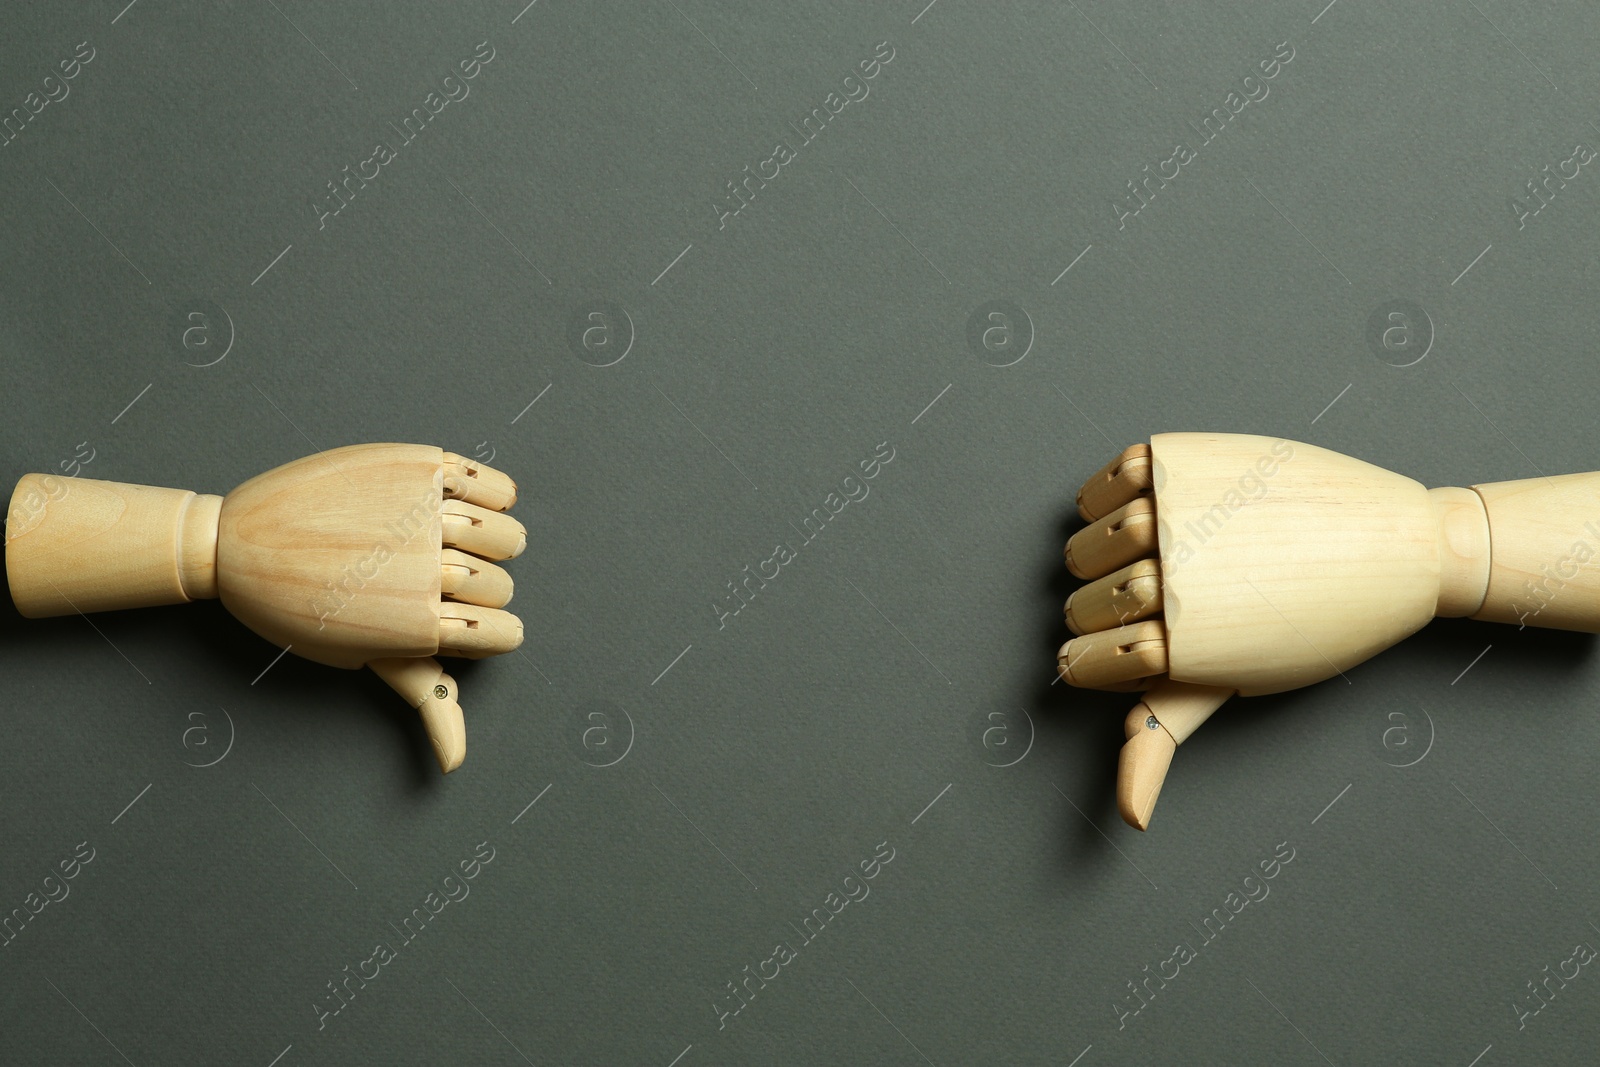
(482, 532)
(1116, 483)
(1128, 595)
(426, 687)
(1156, 726)
(1116, 540)
(477, 483)
(1142, 766)
(472, 580)
(473, 632)
(1109, 658)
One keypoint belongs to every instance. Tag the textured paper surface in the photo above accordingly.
(558, 267)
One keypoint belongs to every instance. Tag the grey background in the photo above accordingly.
(910, 648)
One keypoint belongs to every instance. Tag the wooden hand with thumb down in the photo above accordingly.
(1233, 564)
(374, 555)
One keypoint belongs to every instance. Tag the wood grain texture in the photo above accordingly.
(1283, 563)
(81, 545)
(338, 554)
(1544, 569)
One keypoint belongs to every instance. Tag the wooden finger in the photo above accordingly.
(1129, 595)
(1114, 541)
(1116, 483)
(472, 580)
(1109, 657)
(477, 483)
(472, 632)
(482, 532)
(1156, 726)
(1142, 766)
(426, 687)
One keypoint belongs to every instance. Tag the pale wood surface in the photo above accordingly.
(1284, 563)
(1164, 719)
(379, 555)
(1546, 537)
(81, 545)
(1463, 551)
(424, 685)
(1142, 766)
(1111, 486)
(1115, 540)
(338, 554)
(1181, 706)
(1124, 597)
(1277, 564)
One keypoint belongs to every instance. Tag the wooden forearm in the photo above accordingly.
(75, 544)
(377, 555)
(1222, 564)
(1544, 539)
(1522, 552)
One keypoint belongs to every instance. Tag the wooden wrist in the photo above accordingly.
(80, 545)
(1545, 561)
(1464, 552)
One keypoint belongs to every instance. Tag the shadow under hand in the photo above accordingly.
(1087, 722)
(233, 656)
(1449, 645)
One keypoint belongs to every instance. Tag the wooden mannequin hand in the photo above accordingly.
(1229, 563)
(370, 555)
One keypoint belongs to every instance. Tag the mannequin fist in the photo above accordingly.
(1229, 563)
(370, 555)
